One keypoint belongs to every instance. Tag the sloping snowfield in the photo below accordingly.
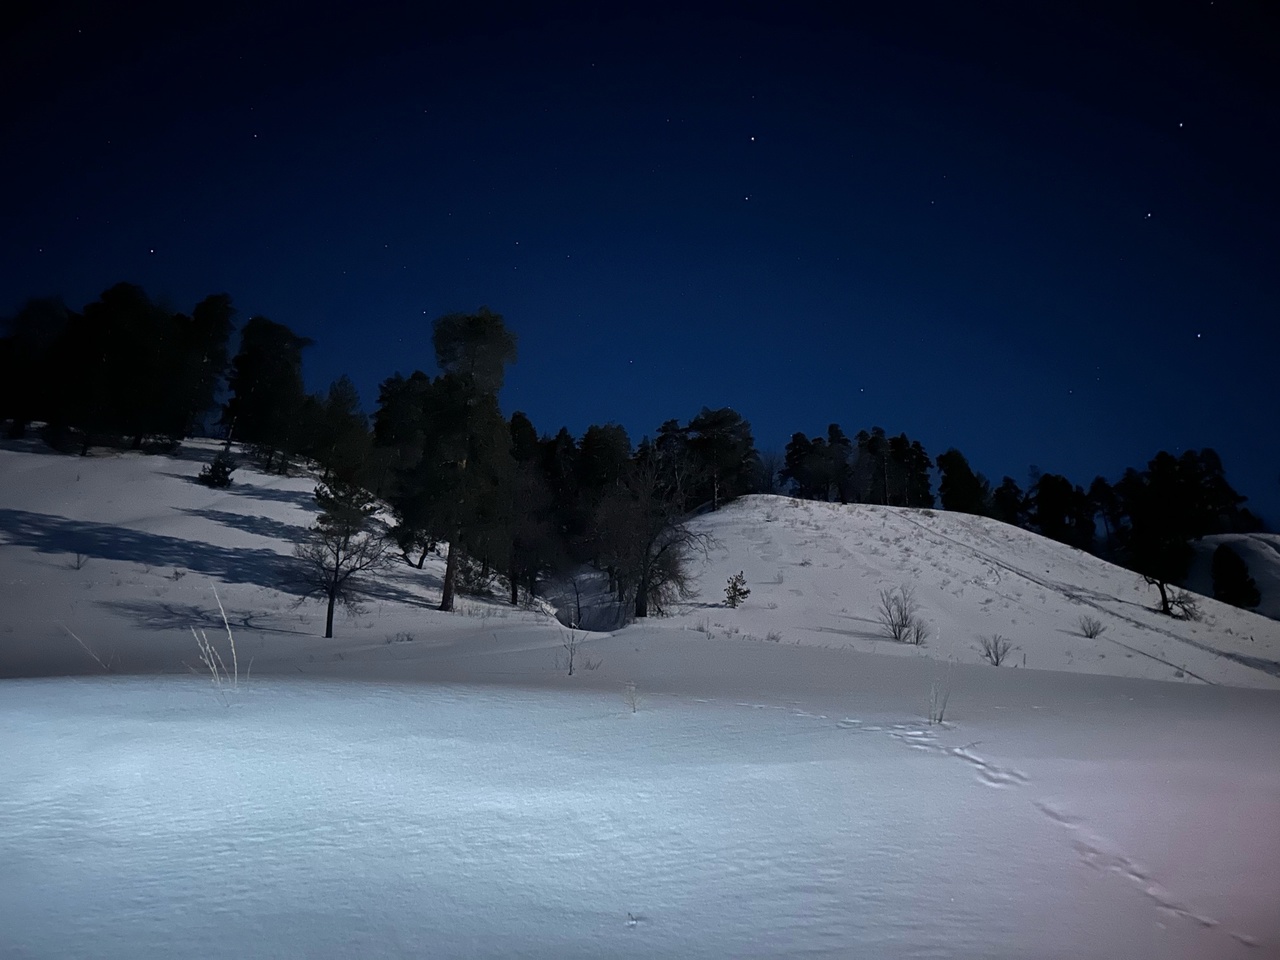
(429, 784)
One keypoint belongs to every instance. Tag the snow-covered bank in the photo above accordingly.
(145, 817)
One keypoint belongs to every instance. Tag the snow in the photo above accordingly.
(145, 818)
(434, 784)
(1260, 552)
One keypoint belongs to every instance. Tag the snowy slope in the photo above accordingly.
(436, 784)
(1260, 551)
(123, 551)
(816, 571)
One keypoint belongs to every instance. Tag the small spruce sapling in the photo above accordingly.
(218, 473)
(736, 591)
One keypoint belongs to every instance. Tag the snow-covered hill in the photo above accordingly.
(120, 553)
(816, 571)
(760, 781)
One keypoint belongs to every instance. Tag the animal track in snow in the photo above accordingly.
(1094, 850)
(1100, 854)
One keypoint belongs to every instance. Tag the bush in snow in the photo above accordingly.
(218, 473)
(899, 616)
(1091, 627)
(995, 648)
(736, 590)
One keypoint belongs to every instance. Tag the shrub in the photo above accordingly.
(218, 473)
(1091, 627)
(995, 648)
(899, 615)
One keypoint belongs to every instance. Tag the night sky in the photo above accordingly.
(1044, 233)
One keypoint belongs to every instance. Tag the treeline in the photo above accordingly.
(124, 367)
(512, 500)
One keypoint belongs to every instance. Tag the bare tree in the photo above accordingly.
(344, 543)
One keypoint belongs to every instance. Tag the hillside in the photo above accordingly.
(816, 571)
(771, 780)
(123, 551)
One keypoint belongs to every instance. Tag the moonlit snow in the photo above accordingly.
(429, 784)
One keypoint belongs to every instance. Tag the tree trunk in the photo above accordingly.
(1164, 595)
(513, 576)
(423, 559)
(642, 601)
(450, 575)
(328, 618)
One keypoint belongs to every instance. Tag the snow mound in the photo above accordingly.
(816, 572)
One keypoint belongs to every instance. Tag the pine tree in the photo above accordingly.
(723, 452)
(469, 472)
(797, 467)
(735, 591)
(961, 489)
(267, 396)
(1231, 581)
(1009, 504)
(218, 473)
(344, 543)
(342, 443)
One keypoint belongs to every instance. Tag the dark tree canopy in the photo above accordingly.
(1061, 511)
(1008, 503)
(267, 393)
(723, 454)
(1231, 580)
(126, 368)
(961, 489)
(477, 347)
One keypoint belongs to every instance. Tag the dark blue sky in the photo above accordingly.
(1043, 233)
